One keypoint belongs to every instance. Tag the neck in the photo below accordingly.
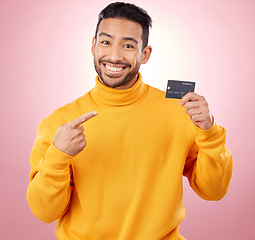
(108, 96)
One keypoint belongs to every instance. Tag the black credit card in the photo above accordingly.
(177, 89)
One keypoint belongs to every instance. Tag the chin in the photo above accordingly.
(114, 81)
(114, 84)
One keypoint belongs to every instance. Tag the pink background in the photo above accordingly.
(45, 62)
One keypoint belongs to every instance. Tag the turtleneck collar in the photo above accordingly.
(106, 96)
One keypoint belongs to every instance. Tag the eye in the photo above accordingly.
(105, 42)
(128, 46)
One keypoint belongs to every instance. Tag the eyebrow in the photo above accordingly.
(130, 39)
(104, 34)
(125, 38)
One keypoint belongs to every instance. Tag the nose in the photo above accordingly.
(115, 54)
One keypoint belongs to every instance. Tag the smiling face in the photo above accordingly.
(118, 53)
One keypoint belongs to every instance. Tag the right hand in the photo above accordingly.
(70, 138)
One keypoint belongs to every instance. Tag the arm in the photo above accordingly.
(50, 185)
(209, 162)
(49, 190)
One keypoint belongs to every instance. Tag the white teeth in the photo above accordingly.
(114, 69)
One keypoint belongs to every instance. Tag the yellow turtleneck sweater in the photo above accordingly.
(127, 183)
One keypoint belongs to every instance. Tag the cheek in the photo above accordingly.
(137, 61)
(98, 52)
(134, 59)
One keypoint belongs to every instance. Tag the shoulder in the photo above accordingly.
(157, 97)
(168, 108)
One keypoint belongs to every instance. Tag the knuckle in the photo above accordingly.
(193, 117)
(77, 132)
(82, 136)
(81, 128)
(187, 106)
(83, 144)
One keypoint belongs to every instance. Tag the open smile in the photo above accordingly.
(114, 69)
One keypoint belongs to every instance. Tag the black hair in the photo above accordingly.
(130, 12)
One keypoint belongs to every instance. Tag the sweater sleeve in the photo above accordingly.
(209, 164)
(50, 187)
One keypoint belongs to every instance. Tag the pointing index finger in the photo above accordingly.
(85, 117)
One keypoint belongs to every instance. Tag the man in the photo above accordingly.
(110, 164)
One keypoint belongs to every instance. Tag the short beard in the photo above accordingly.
(118, 84)
(125, 80)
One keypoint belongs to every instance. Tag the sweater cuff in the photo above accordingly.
(56, 160)
(212, 133)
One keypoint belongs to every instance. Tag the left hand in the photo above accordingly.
(197, 108)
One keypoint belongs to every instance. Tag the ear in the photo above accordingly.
(146, 54)
(93, 46)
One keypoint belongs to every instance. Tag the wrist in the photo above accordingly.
(57, 160)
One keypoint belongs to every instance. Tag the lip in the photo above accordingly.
(114, 66)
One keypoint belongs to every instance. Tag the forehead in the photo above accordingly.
(121, 28)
